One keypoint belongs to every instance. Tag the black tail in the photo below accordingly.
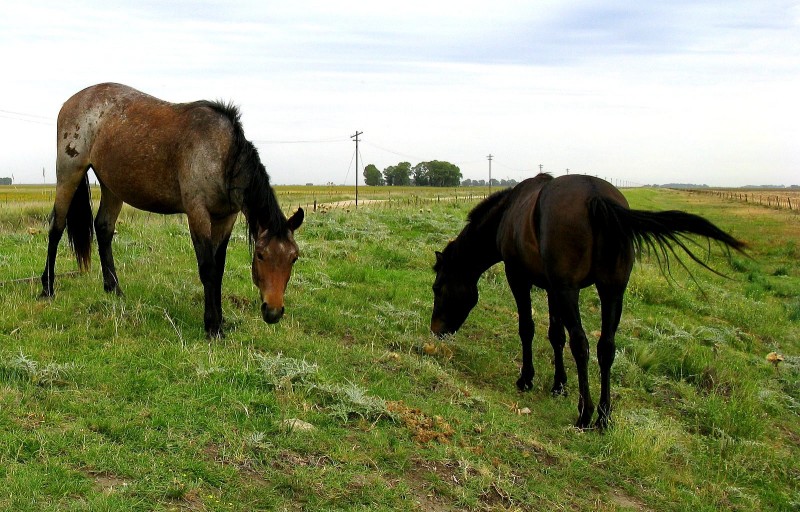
(80, 229)
(658, 232)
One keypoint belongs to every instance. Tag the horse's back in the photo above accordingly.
(150, 153)
(573, 251)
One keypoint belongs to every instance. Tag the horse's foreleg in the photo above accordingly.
(212, 317)
(219, 259)
(104, 223)
(611, 312)
(558, 339)
(207, 267)
(522, 296)
(579, 346)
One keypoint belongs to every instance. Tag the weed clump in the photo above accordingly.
(48, 375)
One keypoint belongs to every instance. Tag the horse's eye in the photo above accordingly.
(294, 260)
(260, 256)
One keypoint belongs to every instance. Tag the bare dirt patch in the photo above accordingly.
(106, 483)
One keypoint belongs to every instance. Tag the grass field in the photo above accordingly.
(120, 403)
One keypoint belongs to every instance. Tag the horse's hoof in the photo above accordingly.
(45, 295)
(584, 421)
(524, 384)
(116, 290)
(559, 390)
(215, 334)
(601, 424)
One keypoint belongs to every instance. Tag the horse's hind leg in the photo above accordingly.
(567, 302)
(611, 312)
(555, 334)
(104, 222)
(66, 187)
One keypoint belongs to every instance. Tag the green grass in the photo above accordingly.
(120, 403)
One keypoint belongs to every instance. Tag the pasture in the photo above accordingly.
(121, 403)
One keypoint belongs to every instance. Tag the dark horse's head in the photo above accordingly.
(273, 257)
(455, 293)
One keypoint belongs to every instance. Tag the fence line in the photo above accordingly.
(768, 199)
(389, 203)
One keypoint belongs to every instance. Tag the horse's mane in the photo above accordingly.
(488, 207)
(485, 217)
(487, 211)
(260, 206)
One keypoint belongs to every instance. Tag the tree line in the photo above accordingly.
(435, 173)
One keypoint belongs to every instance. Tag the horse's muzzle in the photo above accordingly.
(440, 329)
(271, 315)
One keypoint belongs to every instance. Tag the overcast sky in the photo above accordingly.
(641, 92)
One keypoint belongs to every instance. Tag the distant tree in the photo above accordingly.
(443, 174)
(398, 175)
(467, 183)
(421, 174)
(372, 176)
(6, 181)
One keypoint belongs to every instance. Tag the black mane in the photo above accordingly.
(246, 173)
(487, 207)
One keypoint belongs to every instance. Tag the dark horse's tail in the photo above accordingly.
(657, 232)
(80, 229)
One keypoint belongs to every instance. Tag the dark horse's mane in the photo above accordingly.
(260, 206)
(486, 214)
(487, 211)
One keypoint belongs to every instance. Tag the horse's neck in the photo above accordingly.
(478, 246)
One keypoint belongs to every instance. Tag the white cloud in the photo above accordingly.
(674, 91)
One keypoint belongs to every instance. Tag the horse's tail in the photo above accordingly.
(80, 229)
(657, 232)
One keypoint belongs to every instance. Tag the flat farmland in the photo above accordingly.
(121, 403)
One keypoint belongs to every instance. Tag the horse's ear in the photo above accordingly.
(296, 220)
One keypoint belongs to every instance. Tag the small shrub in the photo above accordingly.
(51, 374)
(284, 372)
(351, 401)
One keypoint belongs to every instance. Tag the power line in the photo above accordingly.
(309, 141)
(27, 118)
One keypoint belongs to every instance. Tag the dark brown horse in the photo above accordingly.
(166, 158)
(562, 235)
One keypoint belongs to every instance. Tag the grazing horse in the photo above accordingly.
(167, 158)
(562, 235)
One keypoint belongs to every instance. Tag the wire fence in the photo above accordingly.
(780, 199)
(315, 205)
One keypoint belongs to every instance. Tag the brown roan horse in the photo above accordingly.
(562, 235)
(168, 158)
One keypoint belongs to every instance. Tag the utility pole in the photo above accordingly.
(355, 137)
(540, 168)
(567, 171)
(490, 171)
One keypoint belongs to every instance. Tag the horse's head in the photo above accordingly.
(273, 257)
(454, 294)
